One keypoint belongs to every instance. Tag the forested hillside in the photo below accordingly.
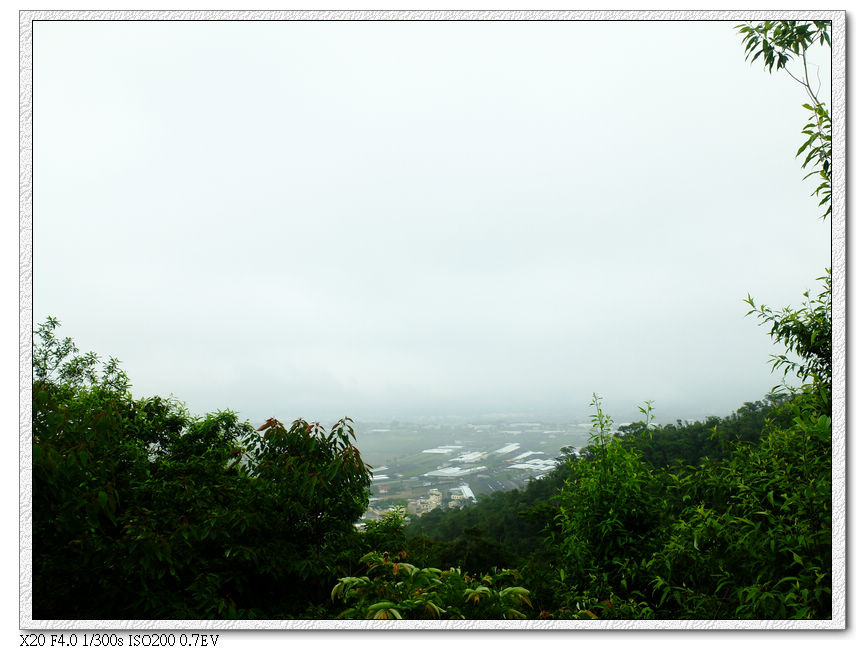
(141, 510)
(506, 525)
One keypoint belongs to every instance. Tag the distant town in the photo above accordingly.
(424, 466)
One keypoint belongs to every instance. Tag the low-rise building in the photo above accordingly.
(425, 504)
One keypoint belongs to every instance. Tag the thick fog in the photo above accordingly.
(397, 219)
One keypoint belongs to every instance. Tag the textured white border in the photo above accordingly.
(839, 467)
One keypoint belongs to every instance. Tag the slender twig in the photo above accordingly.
(808, 81)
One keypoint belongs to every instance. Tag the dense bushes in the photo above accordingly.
(142, 511)
(392, 589)
(610, 509)
(746, 536)
(753, 536)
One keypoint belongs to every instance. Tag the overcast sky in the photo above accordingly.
(386, 219)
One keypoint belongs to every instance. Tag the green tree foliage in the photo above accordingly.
(610, 509)
(807, 330)
(142, 511)
(386, 534)
(779, 43)
(807, 333)
(743, 536)
(752, 538)
(398, 590)
(689, 443)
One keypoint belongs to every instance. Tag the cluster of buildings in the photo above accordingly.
(455, 497)
(458, 496)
